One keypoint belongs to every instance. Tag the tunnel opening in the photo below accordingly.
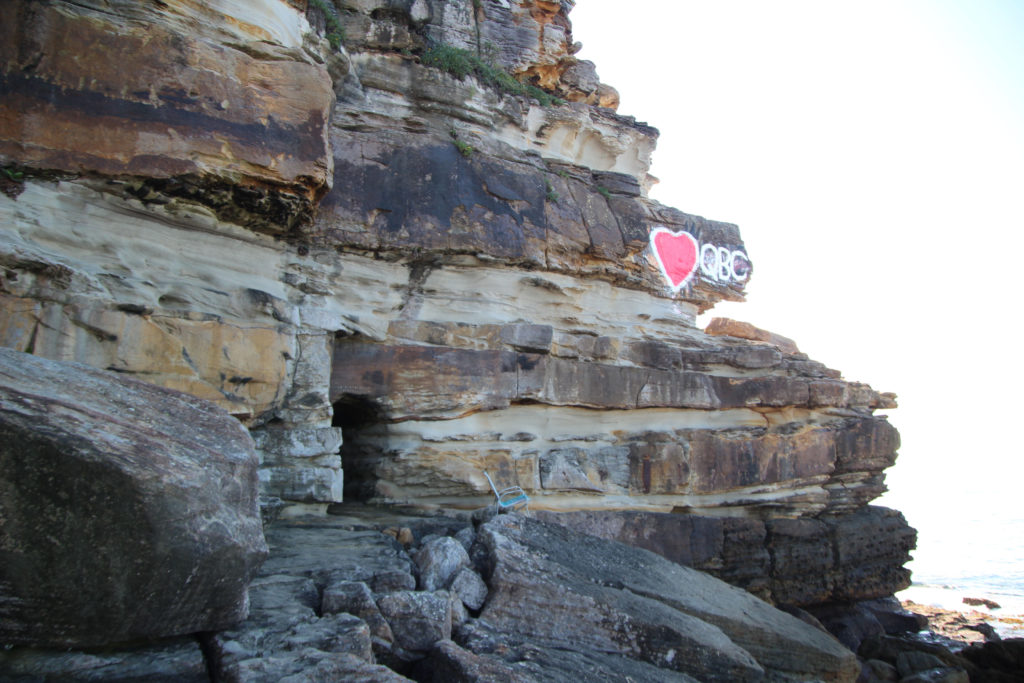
(364, 431)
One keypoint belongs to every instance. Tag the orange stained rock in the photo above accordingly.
(727, 327)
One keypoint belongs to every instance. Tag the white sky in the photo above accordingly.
(872, 153)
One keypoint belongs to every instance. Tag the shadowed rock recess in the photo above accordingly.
(403, 243)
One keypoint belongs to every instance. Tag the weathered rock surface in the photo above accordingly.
(796, 562)
(600, 595)
(297, 627)
(168, 662)
(128, 511)
(439, 561)
(220, 104)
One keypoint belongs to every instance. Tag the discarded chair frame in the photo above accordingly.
(512, 497)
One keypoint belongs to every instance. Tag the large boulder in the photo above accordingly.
(580, 592)
(127, 511)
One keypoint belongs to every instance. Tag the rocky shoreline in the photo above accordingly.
(968, 626)
(391, 594)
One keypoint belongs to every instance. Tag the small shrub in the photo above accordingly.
(12, 175)
(449, 59)
(335, 31)
(461, 63)
(604, 192)
(464, 148)
(552, 196)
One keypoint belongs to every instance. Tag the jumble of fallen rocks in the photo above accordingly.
(377, 595)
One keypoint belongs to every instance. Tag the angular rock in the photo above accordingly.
(603, 595)
(911, 662)
(470, 588)
(355, 598)
(742, 330)
(439, 561)
(129, 510)
(308, 574)
(418, 620)
(449, 663)
(312, 665)
(551, 662)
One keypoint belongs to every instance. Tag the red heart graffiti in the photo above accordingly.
(676, 253)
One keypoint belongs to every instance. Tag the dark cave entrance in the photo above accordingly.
(364, 432)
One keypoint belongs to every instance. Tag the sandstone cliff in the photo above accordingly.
(398, 266)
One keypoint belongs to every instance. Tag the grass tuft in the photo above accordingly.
(461, 63)
(335, 31)
(12, 175)
(552, 196)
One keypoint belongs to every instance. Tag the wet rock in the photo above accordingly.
(129, 510)
(976, 602)
(551, 662)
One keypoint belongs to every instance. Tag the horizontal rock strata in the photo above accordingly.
(399, 272)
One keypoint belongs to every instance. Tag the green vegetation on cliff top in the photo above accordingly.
(461, 63)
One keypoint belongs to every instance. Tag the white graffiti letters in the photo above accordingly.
(722, 265)
(680, 256)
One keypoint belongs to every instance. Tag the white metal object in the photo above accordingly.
(512, 497)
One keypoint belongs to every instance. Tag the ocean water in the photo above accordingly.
(969, 546)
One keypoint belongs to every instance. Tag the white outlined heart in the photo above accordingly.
(676, 254)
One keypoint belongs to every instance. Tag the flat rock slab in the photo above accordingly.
(554, 584)
(327, 550)
(129, 511)
(176, 661)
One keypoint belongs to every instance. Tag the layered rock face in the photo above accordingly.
(352, 242)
